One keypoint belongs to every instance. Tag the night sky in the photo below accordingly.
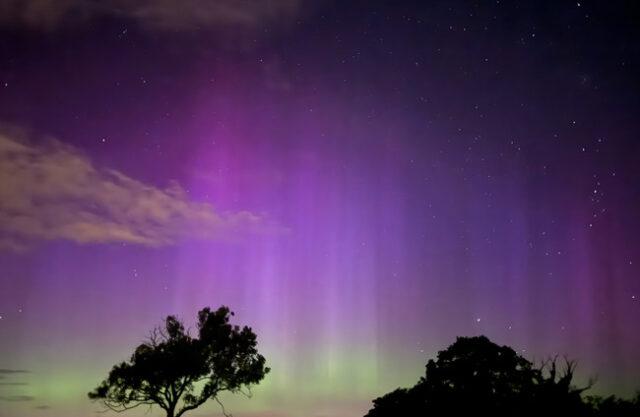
(361, 182)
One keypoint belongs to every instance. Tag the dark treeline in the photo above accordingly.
(474, 376)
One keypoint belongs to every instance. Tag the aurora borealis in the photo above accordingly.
(361, 182)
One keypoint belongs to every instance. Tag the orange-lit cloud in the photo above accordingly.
(53, 191)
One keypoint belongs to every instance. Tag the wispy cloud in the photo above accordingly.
(154, 14)
(17, 398)
(5, 371)
(53, 191)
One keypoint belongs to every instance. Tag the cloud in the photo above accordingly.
(153, 14)
(53, 191)
(13, 371)
(18, 398)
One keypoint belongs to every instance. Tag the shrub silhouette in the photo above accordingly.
(474, 376)
(179, 373)
(614, 407)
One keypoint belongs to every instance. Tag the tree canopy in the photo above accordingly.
(179, 373)
(474, 376)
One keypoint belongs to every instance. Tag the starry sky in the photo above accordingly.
(361, 182)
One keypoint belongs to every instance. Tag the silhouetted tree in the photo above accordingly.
(179, 373)
(475, 376)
